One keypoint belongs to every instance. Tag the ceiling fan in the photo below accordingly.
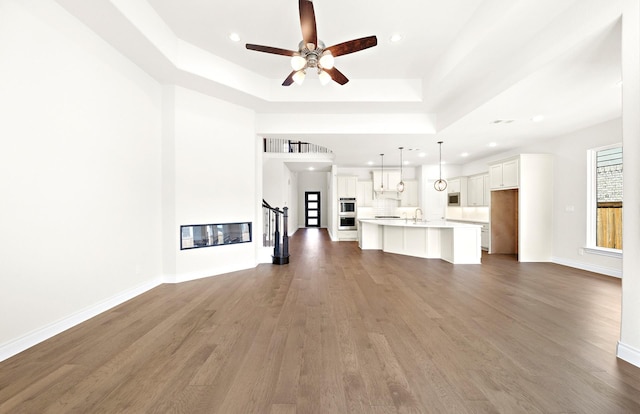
(312, 53)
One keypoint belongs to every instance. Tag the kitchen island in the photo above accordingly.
(454, 242)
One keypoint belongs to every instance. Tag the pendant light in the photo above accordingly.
(381, 172)
(440, 184)
(400, 186)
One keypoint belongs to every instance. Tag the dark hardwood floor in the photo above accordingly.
(340, 330)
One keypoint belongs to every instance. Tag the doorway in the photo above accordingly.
(312, 208)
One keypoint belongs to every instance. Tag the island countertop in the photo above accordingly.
(451, 241)
(424, 223)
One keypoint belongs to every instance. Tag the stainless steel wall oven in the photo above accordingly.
(347, 223)
(347, 214)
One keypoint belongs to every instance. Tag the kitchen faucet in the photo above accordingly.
(415, 216)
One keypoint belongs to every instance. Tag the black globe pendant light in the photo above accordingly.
(440, 184)
(400, 186)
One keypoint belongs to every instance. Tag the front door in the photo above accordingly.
(312, 208)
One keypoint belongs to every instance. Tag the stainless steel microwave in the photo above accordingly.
(453, 199)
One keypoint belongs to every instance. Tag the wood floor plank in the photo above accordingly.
(341, 330)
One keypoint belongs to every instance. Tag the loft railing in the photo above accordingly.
(275, 232)
(287, 146)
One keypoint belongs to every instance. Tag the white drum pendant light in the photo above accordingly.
(440, 184)
(400, 186)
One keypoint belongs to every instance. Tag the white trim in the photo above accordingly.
(591, 208)
(608, 271)
(603, 251)
(186, 277)
(628, 353)
(14, 347)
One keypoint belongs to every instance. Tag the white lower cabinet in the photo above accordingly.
(485, 236)
(485, 232)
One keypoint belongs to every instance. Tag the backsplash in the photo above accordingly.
(468, 213)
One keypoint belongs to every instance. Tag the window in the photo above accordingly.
(604, 211)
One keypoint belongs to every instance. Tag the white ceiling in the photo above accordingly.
(461, 65)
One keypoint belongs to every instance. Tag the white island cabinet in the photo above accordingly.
(457, 243)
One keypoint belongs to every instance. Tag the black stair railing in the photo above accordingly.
(284, 146)
(275, 232)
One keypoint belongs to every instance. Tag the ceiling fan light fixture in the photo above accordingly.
(298, 77)
(312, 52)
(324, 77)
(298, 62)
(326, 60)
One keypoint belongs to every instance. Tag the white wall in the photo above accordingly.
(629, 345)
(313, 181)
(293, 202)
(570, 192)
(80, 174)
(210, 185)
(274, 181)
(100, 166)
(570, 195)
(280, 188)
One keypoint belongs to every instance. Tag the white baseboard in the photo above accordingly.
(186, 277)
(265, 255)
(629, 354)
(9, 349)
(609, 271)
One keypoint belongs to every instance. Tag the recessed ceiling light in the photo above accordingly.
(311, 168)
(537, 118)
(369, 162)
(492, 144)
(396, 37)
(234, 37)
(464, 154)
(406, 162)
(422, 154)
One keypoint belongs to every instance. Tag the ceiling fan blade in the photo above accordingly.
(289, 79)
(269, 49)
(337, 76)
(308, 23)
(352, 46)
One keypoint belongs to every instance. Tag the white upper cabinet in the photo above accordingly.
(504, 175)
(477, 193)
(453, 185)
(409, 197)
(347, 187)
(389, 179)
(365, 194)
